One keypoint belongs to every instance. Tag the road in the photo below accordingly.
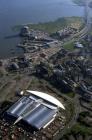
(77, 110)
(74, 101)
(77, 36)
(74, 117)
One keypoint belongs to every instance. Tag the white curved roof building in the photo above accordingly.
(48, 98)
(38, 109)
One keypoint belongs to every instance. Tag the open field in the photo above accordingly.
(69, 46)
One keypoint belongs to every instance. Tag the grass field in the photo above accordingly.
(69, 46)
(82, 129)
(71, 94)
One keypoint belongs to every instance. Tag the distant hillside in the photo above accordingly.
(79, 2)
(90, 5)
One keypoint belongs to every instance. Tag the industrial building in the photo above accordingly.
(86, 91)
(66, 32)
(37, 109)
(25, 31)
(78, 45)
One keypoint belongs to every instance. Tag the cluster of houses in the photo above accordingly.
(18, 63)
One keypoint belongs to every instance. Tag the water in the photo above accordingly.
(14, 12)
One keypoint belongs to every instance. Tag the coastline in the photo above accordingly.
(52, 26)
(58, 24)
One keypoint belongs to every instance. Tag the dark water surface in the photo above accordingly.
(14, 12)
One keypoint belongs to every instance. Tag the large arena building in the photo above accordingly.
(37, 109)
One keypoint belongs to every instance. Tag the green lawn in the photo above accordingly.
(81, 129)
(69, 46)
(71, 94)
(78, 129)
(51, 27)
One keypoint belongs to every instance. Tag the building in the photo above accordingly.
(66, 32)
(13, 66)
(25, 31)
(37, 109)
(86, 92)
(79, 45)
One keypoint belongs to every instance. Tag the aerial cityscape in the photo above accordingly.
(46, 70)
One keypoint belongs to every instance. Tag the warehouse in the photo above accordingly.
(78, 45)
(37, 109)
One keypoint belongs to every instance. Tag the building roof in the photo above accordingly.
(32, 111)
(37, 109)
(48, 98)
(40, 116)
(79, 45)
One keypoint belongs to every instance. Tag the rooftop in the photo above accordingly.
(38, 109)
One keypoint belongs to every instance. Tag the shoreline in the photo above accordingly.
(51, 26)
(58, 24)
